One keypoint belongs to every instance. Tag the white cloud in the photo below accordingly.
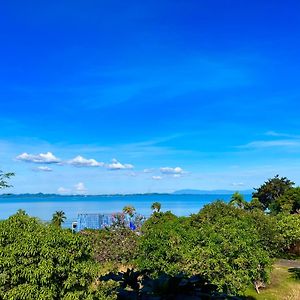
(80, 161)
(43, 169)
(80, 188)
(42, 158)
(156, 177)
(168, 170)
(63, 190)
(116, 165)
(177, 175)
(237, 184)
(148, 170)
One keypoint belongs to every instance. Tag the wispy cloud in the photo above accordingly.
(42, 158)
(275, 139)
(271, 143)
(278, 134)
(80, 161)
(194, 74)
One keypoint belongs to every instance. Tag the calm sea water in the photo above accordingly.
(43, 207)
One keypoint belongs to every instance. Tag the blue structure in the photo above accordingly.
(99, 221)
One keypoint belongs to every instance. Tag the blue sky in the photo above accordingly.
(148, 96)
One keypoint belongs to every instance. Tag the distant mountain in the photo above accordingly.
(211, 192)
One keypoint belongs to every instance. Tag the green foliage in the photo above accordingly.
(162, 244)
(238, 200)
(129, 210)
(254, 204)
(295, 272)
(113, 245)
(140, 285)
(288, 227)
(58, 218)
(38, 260)
(289, 202)
(221, 243)
(266, 226)
(228, 249)
(273, 188)
(229, 245)
(156, 206)
(3, 179)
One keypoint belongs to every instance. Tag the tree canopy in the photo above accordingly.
(129, 210)
(4, 179)
(156, 206)
(44, 261)
(271, 189)
(238, 200)
(58, 218)
(289, 202)
(221, 243)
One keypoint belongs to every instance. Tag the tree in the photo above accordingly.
(228, 248)
(140, 285)
(289, 228)
(129, 210)
(289, 202)
(162, 244)
(58, 218)
(3, 179)
(273, 188)
(266, 226)
(238, 200)
(116, 246)
(255, 204)
(40, 261)
(156, 206)
(221, 243)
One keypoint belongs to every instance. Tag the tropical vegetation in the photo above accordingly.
(221, 252)
(4, 179)
(58, 218)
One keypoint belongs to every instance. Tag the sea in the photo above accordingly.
(43, 206)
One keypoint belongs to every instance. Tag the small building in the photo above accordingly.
(100, 221)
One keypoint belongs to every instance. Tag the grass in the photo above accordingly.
(282, 287)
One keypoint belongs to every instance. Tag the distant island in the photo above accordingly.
(210, 192)
(179, 192)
